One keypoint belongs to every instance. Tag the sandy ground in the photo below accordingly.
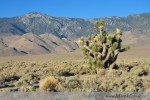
(134, 52)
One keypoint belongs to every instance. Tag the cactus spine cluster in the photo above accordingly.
(102, 49)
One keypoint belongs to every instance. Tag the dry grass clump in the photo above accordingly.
(101, 72)
(27, 88)
(48, 84)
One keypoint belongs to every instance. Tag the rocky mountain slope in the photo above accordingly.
(39, 23)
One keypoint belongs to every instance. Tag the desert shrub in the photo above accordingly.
(139, 71)
(8, 78)
(27, 79)
(73, 83)
(48, 84)
(69, 84)
(146, 83)
(27, 88)
(114, 73)
(101, 72)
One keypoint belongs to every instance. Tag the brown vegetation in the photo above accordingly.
(74, 75)
(48, 84)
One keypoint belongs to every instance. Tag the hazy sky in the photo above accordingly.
(74, 8)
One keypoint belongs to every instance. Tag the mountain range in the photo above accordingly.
(39, 23)
(37, 33)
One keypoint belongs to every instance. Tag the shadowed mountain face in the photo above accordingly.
(35, 44)
(25, 34)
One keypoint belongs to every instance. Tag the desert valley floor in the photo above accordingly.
(23, 73)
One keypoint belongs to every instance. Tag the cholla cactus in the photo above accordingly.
(102, 49)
